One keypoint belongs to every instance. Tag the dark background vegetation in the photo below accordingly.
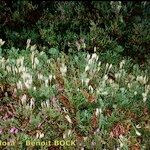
(60, 24)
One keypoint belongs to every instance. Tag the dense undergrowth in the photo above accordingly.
(73, 97)
(116, 28)
(76, 71)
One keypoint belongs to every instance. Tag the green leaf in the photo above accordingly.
(53, 51)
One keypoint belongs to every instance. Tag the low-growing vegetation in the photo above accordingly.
(74, 75)
(73, 97)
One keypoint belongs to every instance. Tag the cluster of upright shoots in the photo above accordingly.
(92, 71)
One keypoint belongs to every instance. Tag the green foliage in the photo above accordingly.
(69, 95)
(69, 70)
(105, 25)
